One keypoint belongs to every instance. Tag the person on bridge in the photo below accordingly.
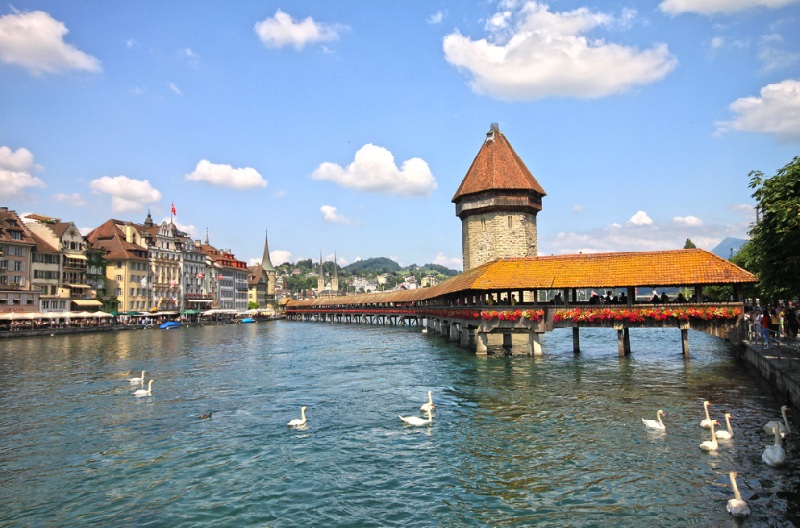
(765, 321)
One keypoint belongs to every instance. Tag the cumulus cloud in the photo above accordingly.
(691, 221)
(35, 41)
(374, 170)
(534, 53)
(73, 199)
(331, 215)
(127, 195)
(449, 262)
(282, 30)
(710, 7)
(16, 168)
(280, 256)
(227, 176)
(777, 112)
(640, 218)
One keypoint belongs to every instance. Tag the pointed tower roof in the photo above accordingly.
(266, 263)
(497, 167)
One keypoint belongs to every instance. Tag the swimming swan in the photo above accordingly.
(711, 445)
(726, 435)
(774, 455)
(784, 428)
(137, 380)
(428, 406)
(707, 422)
(416, 420)
(657, 423)
(299, 421)
(736, 506)
(143, 392)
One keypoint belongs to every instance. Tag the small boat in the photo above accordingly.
(247, 320)
(169, 324)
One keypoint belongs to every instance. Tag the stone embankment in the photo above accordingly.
(779, 365)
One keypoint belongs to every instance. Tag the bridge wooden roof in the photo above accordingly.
(682, 267)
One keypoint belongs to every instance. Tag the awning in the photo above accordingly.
(198, 300)
(87, 302)
(78, 286)
(76, 256)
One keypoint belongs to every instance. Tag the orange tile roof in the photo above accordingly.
(495, 167)
(682, 267)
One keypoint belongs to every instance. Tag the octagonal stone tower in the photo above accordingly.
(497, 203)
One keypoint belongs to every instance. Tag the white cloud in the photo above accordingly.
(534, 53)
(640, 218)
(127, 195)
(73, 199)
(373, 169)
(174, 88)
(577, 208)
(281, 30)
(227, 176)
(331, 215)
(35, 41)
(777, 112)
(710, 7)
(437, 17)
(689, 221)
(16, 168)
(773, 55)
(647, 235)
(280, 256)
(455, 263)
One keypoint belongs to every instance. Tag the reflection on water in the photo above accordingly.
(550, 441)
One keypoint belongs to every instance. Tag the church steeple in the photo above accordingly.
(266, 263)
(335, 280)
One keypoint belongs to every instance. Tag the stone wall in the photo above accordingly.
(490, 236)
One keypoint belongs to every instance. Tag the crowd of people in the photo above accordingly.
(774, 322)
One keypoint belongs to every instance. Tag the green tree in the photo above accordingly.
(775, 237)
(689, 244)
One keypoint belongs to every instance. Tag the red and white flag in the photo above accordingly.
(201, 275)
(173, 209)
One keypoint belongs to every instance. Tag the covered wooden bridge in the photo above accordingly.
(503, 307)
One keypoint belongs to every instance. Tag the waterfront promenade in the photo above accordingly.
(779, 365)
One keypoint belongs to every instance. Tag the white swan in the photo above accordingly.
(726, 435)
(137, 380)
(708, 421)
(428, 406)
(774, 455)
(711, 445)
(657, 423)
(143, 392)
(736, 506)
(299, 421)
(416, 420)
(783, 428)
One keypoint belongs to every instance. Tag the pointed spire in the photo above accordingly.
(148, 222)
(266, 263)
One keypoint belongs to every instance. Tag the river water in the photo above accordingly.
(553, 441)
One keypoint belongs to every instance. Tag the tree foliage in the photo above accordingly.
(689, 244)
(775, 237)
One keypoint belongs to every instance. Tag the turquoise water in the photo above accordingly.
(551, 441)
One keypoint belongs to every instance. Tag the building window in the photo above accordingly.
(509, 221)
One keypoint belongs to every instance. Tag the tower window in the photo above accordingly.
(483, 223)
(509, 221)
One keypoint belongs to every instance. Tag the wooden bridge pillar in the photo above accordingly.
(623, 340)
(685, 339)
(576, 339)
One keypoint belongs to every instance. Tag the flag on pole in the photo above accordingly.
(173, 209)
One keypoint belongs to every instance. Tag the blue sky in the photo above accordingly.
(347, 126)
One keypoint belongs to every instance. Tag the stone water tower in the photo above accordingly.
(497, 203)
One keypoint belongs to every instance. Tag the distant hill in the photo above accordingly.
(373, 265)
(387, 265)
(729, 247)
